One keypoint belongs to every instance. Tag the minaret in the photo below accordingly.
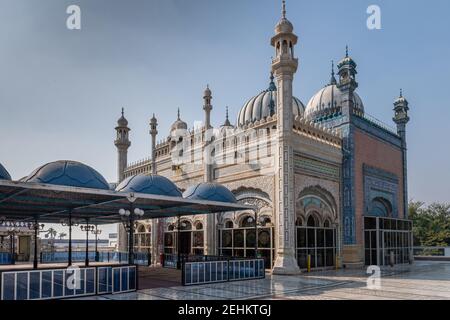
(210, 236)
(284, 65)
(401, 118)
(153, 133)
(347, 83)
(207, 107)
(122, 143)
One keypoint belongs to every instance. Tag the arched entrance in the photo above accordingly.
(316, 234)
(239, 240)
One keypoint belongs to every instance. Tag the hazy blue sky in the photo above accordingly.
(61, 90)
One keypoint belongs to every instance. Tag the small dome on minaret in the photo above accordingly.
(122, 122)
(207, 92)
(284, 25)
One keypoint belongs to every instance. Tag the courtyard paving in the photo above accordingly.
(421, 281)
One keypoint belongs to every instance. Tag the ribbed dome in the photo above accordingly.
(68, 173)
(211, 192)
(328, 101)
(259, 107)
(4, 175)
(179, 124)
(152, 184)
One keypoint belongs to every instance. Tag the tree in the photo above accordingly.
(62, 235)
(431, 224)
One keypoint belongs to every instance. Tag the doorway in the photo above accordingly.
(185, 243)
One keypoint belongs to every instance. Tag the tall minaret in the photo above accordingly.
(210, 236)
(401, 118)
(207, 107)
(284, 65)
(153, 133)
(122, 143)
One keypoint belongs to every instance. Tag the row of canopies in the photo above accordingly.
(55, 189)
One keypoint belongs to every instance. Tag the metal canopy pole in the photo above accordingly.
(130, 237)
(13, 258)
(86, 260)
(69, 259)
(178, 243)
(36, 232)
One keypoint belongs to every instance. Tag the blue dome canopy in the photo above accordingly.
(152, 184)
(4, 175)
(211, 192)
(68, 173)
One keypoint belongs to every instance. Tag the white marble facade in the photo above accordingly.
(310, 170)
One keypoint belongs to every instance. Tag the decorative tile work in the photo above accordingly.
(315, 167)
(380, 183)
(348, 166)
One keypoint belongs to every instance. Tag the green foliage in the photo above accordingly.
(431, 224)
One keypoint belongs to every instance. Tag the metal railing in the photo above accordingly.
(432, 251)
(170, 260)
(116, 279)
(196, 273)
(140, 258)
(5, 258)
(61, 283)
(377, 122)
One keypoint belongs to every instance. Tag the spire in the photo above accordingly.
(283, 12)
(333, 79)
(123, 111)
(272, 86)
(178, 114)
(401, 93)
(346, 51)
(227, 120)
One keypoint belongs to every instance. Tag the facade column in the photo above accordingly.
(208, 162)
(284, 65)
(156, 224)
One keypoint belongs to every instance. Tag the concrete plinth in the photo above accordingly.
(286, 264)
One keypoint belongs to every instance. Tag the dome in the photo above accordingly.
(207, 92)
(328, 101)
(259, 107)
(179, 124)
(4, 175)
(211, 192)
(122, 122)
(152, 184)
(68, 173)
(284, 26)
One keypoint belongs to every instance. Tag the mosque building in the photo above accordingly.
(328, 180)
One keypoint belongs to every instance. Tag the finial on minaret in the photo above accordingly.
(178, 114)
(346, 51)
(272, 86)
(333, 79)
(283, 12)
(401, 93)
(123, 111)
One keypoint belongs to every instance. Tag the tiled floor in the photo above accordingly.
(424, 280)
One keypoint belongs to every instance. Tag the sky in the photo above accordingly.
(61, 90)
